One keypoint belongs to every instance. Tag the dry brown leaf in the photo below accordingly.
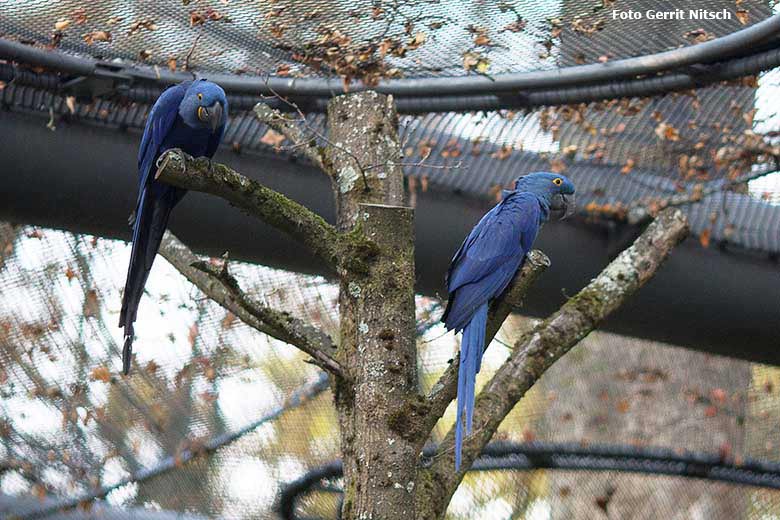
(272, 138)
(475, 61)
(516, 26)
(743, 16)
(149, 25)
(667, 132)
(61, 25)
(502, 153)
(100, 374)
(79, 16)
(704, 238)
(96, 36)
(228, 320)
(193, 334)
(626, 169)
(91, 304)
(70, 102)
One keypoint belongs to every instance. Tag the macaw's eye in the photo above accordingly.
(557, 181)
(200, 97)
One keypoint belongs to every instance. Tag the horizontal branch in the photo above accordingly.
(218, 285)
(445, 390)
(539, 348)
(340, 251)
(288, 127)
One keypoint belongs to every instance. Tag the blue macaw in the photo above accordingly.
(484, 265)
(190, 116)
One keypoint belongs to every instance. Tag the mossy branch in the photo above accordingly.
(536, 351)
(340, 251)
(221, 287)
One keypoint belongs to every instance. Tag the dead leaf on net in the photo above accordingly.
(704, 238)
(96, 36)
(418, 39)
(516, 26)
(698, 36)
(91, 304)
(70, 274)
(79, 16)
(557, 166)
(193, 334)
(667, 132)
(148, 24)
(743, 16)
(172, 64)
(556, 25)
(748, 117)
(475, 61)
(228, 320)
(502, 153)
(100, 374)
(209, 397)
(70, 102)
(626, 169)
(272, 138)
(61, 25)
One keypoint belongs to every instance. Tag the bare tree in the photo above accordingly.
(385, 420)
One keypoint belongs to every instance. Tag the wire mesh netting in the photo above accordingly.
(219, 417)
(364, 38)
(72, 427)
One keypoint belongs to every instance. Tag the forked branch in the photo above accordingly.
(218, 285)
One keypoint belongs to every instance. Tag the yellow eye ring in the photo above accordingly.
(200, 97)
(557, 181)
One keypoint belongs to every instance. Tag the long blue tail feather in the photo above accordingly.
(471, 349)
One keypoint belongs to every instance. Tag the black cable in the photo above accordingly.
(512, 456)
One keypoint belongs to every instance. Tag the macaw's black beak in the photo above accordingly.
(211, 115)
(563, 204)
(215, 116)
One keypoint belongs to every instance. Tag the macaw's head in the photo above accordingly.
(204, 105)
(553, 188)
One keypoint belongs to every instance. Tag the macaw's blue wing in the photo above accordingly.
(489, 257)
(480, 270)
(153, 207)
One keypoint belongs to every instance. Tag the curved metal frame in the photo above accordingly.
(686, 67)
(502, 455)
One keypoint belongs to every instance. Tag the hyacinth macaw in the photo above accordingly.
(484, 265)
(189, 116)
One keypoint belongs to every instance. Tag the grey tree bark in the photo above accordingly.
(377, 342)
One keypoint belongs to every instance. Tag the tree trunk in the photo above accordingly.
(377, 343)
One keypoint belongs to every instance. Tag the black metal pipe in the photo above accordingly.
(511, 456)
(701, 76)
(706, 52)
